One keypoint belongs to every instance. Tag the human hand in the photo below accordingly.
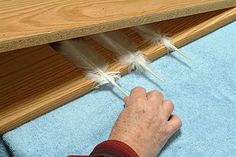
(146, 123)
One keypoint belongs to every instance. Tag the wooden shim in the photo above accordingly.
(35, 22)
(36, 80)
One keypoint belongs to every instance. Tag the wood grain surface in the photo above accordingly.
(36, 80)
(27, 23)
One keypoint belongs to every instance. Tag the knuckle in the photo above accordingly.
(175, 125)
(157, 93)
(170, 105)
(169, 102)
(140, 100)
(137, 89)
(168, 130)
(178, 122)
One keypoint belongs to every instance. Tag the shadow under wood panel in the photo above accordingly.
(36, 80)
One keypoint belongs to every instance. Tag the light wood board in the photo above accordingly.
(36, 80)
(27, 23)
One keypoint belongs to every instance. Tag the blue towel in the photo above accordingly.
(3, 151)
(203, 91)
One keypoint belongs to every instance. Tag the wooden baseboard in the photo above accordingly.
(36, 80)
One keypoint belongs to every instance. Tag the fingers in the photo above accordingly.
(174, 124)
(168, 108)
(138, 92)
(155, 97)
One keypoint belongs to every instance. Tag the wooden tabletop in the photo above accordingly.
(26, 23)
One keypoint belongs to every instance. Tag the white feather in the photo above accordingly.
(148, 34)
(170, 46)
(124, 49)
(82, 55)
(155, 37)
(100, 79)
(135, 61)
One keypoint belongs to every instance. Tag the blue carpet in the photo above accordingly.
(204, 93)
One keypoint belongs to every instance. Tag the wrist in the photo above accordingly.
(114, 148)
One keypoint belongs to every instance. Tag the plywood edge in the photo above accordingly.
(67, 92)
(53, 36)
